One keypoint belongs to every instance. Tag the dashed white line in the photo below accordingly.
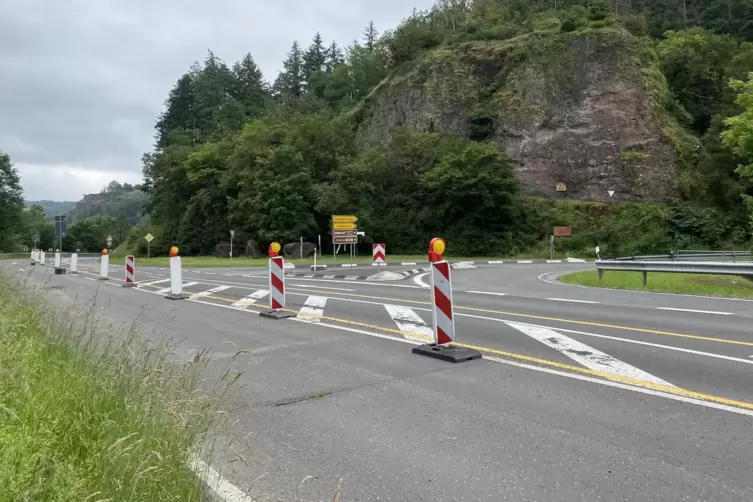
(570, 300)
(487, 293)
(313, 309)
(308, 286)
(184, 285)
(695, 311)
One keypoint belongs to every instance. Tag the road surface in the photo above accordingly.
(583, 394)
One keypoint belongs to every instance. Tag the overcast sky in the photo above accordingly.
(82, 81)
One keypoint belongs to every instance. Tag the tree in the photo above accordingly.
(370, 36)
(739, 133)
(180, 111)
(288, 86)
(11, 204)
(333, 57)
(250, 89)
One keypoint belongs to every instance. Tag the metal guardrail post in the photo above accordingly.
(645, 277)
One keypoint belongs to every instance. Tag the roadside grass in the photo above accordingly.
(689, 284)
(86, 417)
(213, 261)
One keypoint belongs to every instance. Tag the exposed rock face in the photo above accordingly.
(581, 109)
(293, 250)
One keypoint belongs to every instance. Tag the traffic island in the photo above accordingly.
(276, 314)
(449, 353)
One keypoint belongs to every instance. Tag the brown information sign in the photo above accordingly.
(562, 232)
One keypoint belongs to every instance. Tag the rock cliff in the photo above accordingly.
(584, 109)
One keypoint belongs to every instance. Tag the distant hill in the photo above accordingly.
(53, 208)
(117, 199)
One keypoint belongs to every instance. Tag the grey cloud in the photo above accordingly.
(82, 82)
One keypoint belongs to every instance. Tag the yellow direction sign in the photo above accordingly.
(149, 237)
(343, 226)
(344, 219)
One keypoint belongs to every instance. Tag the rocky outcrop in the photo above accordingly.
(580, 110)
(293, 250)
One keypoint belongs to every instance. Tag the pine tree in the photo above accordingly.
(314, 58)
(288, 86)
(180, 111)
(250, 89)
(370, 36)
(334, 57)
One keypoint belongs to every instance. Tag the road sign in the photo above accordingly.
(610, 192)
(60, 226)
(109, 240)
(343, 226)
(562, 231)
(345, 236)
(149, 237)
(344, 219)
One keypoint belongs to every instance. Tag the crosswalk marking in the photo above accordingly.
(584, 354)
(209, 292)
(167, 290)
(154, 282)
(313, 309)
(250, 299)
(410, 323)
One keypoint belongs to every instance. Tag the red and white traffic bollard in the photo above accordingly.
(276, 290)
(104, 264)
(443, 312)
(379, 254)
(441, 300)
(130, 272)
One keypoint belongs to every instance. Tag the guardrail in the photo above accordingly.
(692, 255)
(687, 267)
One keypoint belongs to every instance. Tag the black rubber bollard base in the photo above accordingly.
(33, 263)
(448, 353)
(276, 314)
(103, 279)
(59, 271)
(129, 285)
(179, 296)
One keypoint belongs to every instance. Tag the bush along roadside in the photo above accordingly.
(88, 418)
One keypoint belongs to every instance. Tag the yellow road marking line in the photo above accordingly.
(544, 362)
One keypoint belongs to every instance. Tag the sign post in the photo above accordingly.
(344, 231)
(232, 234)
(149, 238)
(60, 230)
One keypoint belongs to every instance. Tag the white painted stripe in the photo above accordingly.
(554, 261)
(419, 280)
(540, 369)
(210, 273)
(496, 262)
(222, 488)
(584, 354)
(570, 300)
(412, 324)
(308, 275)
(209, 292)
(184, 285)
(696, 311)
(328, 277)
(525, 261)
(408, 263)
(351, 277)
(250, 299)
(487, 293)
(313, 309)
(308, 286)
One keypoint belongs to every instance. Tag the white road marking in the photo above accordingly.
(525, 261)
(351, 277)
(570, 300)
(313, 309)
(250, 299)
(221, 487)
(408, 263)
(209, 292)
(308, 286)
(696, 311)
(584, 354)
(154, 282)
(184, 285)
(495, 262)
(487, 293)
(22, 270)
(418, 280)
(554, 261)
(328, 276)
(410, 322)
(89, 279)
(565, 374)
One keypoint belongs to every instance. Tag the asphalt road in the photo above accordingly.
(583, 394)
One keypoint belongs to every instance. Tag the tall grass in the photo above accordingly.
(87, 417)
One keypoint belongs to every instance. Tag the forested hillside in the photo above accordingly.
(345, 129)
(52, 208)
